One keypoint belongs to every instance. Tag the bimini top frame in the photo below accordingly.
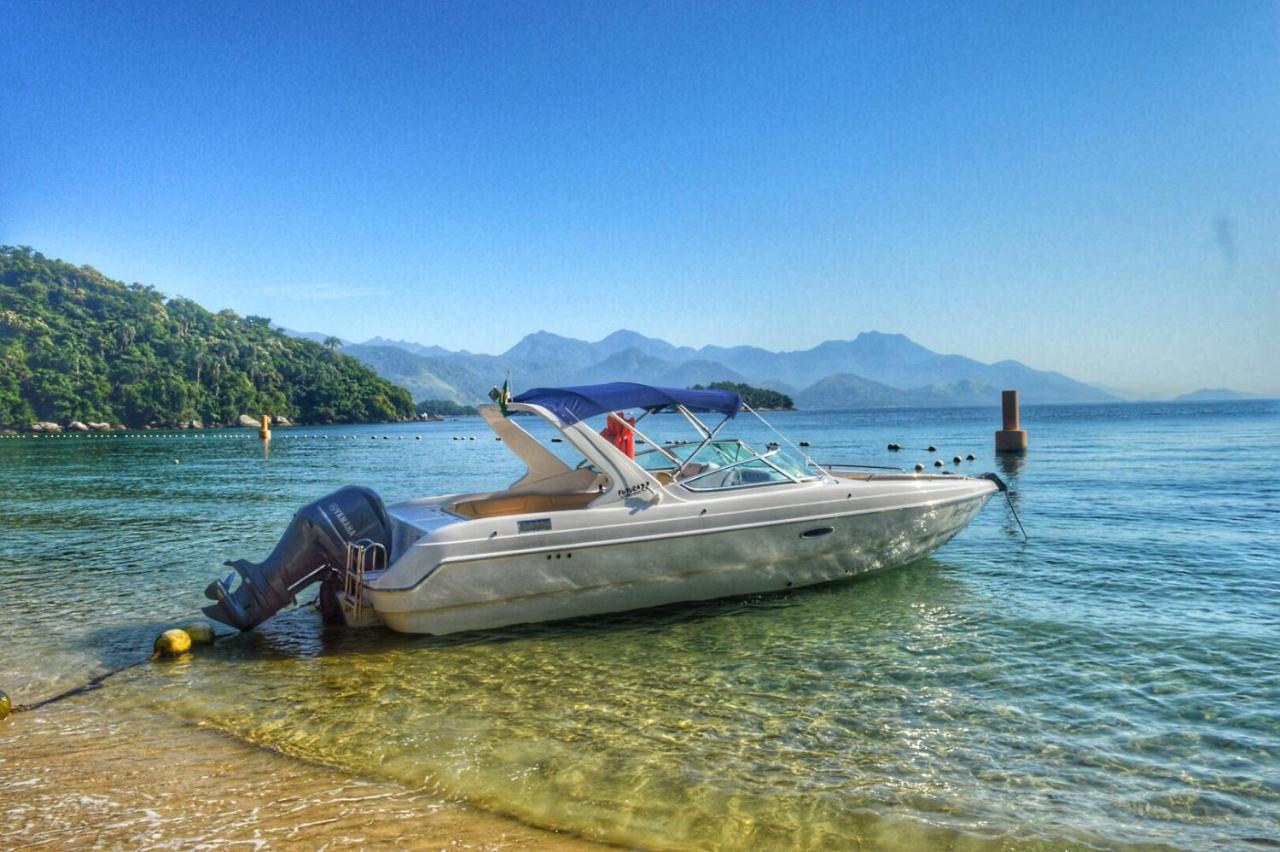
(574, 404)
(632, 483)
(578, 403)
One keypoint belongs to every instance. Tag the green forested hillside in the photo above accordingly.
(75, 345)
(759, 398)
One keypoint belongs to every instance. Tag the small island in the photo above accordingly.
(441, 408)
(761, 399)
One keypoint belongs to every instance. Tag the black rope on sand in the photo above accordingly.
(93, 683)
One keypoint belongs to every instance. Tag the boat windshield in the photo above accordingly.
(723, 464)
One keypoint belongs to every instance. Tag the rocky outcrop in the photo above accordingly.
(247, 421)
(45, 426)
(281, 420)
(77, 426)
(99, 427)
(190, 424)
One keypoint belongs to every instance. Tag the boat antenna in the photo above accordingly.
(809, 461)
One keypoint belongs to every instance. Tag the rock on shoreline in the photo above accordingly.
(245, 420)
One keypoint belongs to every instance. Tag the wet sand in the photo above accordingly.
(75, 775)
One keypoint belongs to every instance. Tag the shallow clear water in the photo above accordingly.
(1114, 681)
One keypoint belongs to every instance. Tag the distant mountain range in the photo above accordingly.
(873, 370)
(1216, 395)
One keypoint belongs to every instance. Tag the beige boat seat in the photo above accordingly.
(521, 504)
(666, 477)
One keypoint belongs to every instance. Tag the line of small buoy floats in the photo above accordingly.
(892, 447)
(122, 436)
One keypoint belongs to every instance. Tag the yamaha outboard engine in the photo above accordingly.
(313, 547)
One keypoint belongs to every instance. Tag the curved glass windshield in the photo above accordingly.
(721, 464)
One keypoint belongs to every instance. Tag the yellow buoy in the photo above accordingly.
(173, 643)
(6, 706)
(200, 633)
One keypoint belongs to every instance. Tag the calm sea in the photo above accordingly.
(1113, 681)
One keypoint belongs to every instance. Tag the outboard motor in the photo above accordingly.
(314, 546)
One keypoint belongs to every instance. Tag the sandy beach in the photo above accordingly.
(152, 781)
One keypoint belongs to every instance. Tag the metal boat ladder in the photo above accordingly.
(363, 556)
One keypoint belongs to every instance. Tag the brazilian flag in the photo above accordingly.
(502, 395)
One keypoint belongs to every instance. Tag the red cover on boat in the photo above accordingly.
(620, 436)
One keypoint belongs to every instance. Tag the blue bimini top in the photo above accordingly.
(579, 403)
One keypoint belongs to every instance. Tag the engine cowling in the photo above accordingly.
(313, 547)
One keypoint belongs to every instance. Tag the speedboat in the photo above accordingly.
(602, 521)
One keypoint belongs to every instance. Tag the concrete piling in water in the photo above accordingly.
(1012, 438)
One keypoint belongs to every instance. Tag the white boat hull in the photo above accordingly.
(618, 531)
(672, 562)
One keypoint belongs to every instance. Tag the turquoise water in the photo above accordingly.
(1113, 681)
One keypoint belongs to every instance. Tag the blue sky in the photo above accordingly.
(1091, 188)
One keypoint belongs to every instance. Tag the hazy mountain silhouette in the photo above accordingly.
(873, 369)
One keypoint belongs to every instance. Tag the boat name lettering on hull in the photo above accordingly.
(539, 525)
(624, 493)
